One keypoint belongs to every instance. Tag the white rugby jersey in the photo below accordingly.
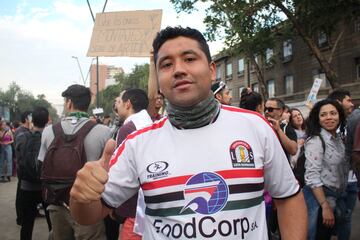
(202, 183)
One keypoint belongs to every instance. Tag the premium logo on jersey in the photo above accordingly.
(157, 170)
(241, 155)
(205, 193)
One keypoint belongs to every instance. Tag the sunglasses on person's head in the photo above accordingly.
(270, 109)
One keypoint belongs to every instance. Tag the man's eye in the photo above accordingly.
(190, 59)
(166, 65)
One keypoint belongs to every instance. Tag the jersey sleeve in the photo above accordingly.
(279, 178)
(123, 180)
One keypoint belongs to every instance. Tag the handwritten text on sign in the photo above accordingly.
(127, 33)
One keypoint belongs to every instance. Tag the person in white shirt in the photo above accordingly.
(203, 168)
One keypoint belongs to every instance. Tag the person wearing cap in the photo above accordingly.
(221, 92)
(77, 100)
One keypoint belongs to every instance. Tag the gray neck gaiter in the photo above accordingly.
(203, 113)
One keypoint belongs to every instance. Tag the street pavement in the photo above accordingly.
(10, 231)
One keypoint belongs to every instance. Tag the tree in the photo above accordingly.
(138, 78)
(19, 100)
(250, 26)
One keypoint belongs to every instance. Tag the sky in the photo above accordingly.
(39, 37)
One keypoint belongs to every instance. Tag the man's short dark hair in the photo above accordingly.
(338, 94)
(40, 117)
(24, 116)
(79, 95)
(279, 102)
(137, 97)
(174, 32)
(15, 123)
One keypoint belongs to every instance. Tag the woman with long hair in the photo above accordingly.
(326, 168)
(251, 100)
(6, 139)
(297, 122)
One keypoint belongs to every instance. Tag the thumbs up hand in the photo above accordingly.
(91, 179)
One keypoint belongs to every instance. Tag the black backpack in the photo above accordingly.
(64, 157)
(299, 168)
(28, 165)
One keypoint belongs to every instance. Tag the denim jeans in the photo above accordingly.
(349, 197)
(313, 211)
(6, 161)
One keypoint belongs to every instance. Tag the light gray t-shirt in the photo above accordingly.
(94, 142)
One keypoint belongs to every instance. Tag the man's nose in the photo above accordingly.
(179, 69)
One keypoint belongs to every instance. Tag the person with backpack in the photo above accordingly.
(29, 194)
(65, 148)
(326, 170)
(26, 124)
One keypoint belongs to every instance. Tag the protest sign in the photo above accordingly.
(127, 33)
(311, 99)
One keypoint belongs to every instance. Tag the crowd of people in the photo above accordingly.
(195, 167)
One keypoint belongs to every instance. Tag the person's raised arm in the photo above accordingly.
(152, 85)
(289, 144)
(85, 196)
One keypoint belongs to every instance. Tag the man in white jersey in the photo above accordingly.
(203, 169)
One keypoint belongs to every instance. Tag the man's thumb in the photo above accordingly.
(107, 153)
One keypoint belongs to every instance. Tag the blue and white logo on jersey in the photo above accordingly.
(205, 193)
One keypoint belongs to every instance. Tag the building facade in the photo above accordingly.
(290, 69)
(106, 77)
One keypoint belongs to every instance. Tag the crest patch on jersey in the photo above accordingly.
(241, 155)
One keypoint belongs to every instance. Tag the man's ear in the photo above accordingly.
(218, 96)
(213, 71)
(69, 103)
(128, 104)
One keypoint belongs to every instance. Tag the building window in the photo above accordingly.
(322, 39)
(218, 73)
(287, 50)
(289, 84)
(320, 74)
(271, 88)
(255, 87)
(357, 25)
(253, 68)
(269, 53)
(241, 66)
(229, 70)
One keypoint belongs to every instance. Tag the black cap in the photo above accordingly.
(217, 87)
(76, 90)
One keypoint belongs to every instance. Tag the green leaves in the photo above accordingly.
(138, 78)
(19, 100)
